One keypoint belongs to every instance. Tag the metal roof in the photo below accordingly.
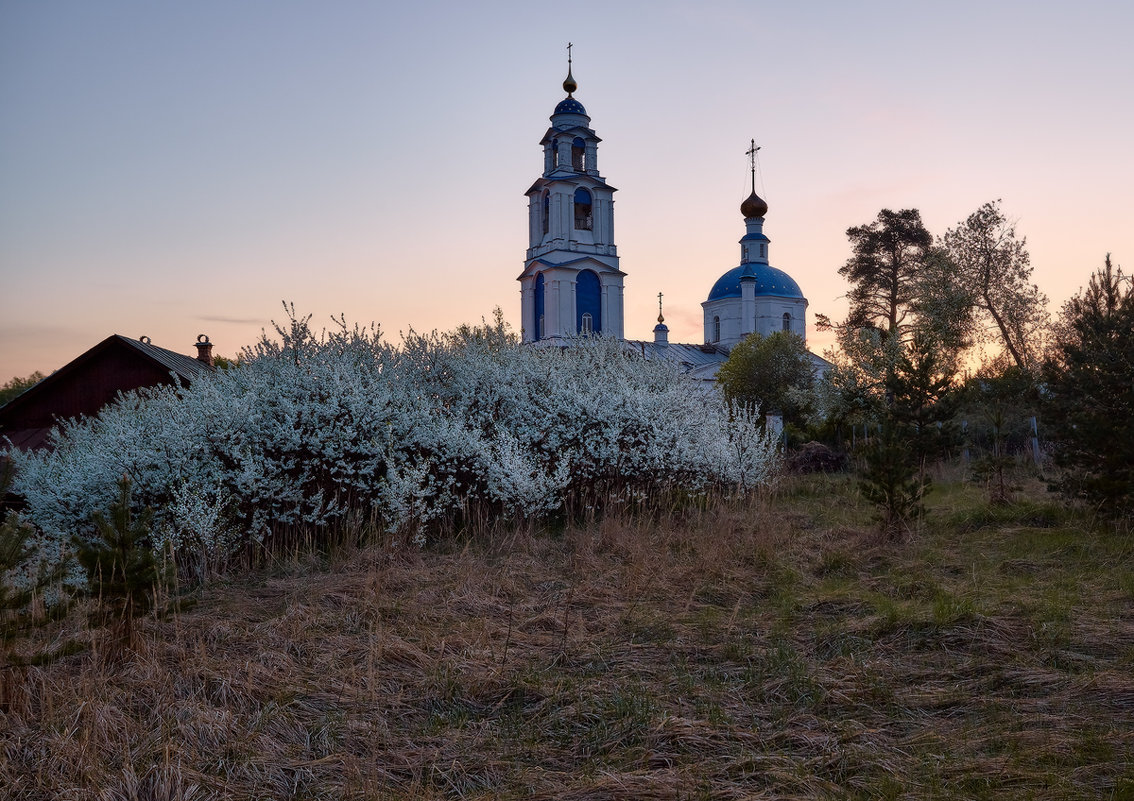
(689, 356)
(187, 367)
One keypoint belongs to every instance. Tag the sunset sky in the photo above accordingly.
(176, 168)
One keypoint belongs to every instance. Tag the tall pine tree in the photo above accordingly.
(1089, 389)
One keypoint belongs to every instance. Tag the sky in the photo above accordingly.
(169, 169)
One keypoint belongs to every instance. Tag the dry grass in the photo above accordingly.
(772, 651)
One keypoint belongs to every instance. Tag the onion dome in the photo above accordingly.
(754, 206)
(569, 105)
(769, 281)
(569, 85)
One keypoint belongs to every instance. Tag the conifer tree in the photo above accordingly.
(915, 430)
(123, 574)
(891, 480)
(1089, 394)
(22, 589)
(888, 256)
(999, 395)
(923, 399)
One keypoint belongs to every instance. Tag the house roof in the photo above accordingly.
(187, 367)
(90, 381)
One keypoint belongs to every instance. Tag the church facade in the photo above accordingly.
(572, 283)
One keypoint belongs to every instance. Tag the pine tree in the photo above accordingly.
(922, 399)
(1089, 394)
(915, 430)
(892, 481)
(23, 607)
(1001, 396)
(123, 574)
(888, 256)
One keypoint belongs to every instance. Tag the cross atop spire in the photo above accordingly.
(661, 319)
(569, 85)
(751, 153)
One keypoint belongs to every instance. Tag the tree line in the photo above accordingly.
(940, 329)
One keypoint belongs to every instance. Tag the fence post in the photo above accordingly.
(1035, 442)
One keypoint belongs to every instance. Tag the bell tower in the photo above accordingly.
(571, 284)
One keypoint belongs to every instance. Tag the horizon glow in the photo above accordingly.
(168, 170)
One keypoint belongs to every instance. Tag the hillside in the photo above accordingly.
(777, 650)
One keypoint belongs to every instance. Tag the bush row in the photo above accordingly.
(311, 428)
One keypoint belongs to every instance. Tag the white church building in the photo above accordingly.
(572, 284)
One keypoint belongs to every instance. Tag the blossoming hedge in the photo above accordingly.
(312, 429)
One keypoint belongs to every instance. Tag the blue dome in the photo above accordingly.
(570, 105)
(769, 281)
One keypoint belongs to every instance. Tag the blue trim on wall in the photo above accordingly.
(538, 305)
(588, 300)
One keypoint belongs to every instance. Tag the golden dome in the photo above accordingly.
(754, 206)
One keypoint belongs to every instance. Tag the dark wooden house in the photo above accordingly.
(86, 384)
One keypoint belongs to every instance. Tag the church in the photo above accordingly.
(572, 284)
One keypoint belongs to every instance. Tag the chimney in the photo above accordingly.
(204, 350)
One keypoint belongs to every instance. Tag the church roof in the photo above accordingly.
(769, 281)
(690, 357)
(569, 105)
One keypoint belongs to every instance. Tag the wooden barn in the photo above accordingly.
(86, 384)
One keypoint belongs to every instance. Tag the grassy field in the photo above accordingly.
(772, 650)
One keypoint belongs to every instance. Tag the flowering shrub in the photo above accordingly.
(314, 427)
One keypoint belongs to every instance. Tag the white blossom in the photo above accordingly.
(311, 428)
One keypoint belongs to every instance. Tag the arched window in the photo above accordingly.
(539, 332)
(554, 153)
(716, 329)
(787, 321)
(588, 303)
(578, 155)
(583, 217)
(546, 211)
(763, 251)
